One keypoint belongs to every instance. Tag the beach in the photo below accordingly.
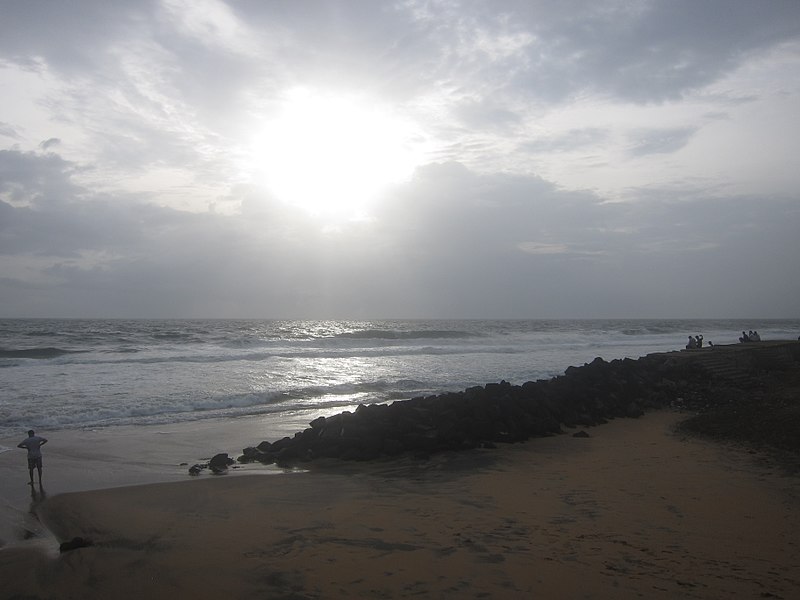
(633, 511)
(101, 458)
(674, 475)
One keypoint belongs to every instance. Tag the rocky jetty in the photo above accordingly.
(484, 416)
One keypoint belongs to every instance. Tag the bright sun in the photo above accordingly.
(333, 154)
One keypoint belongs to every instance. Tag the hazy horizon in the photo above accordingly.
(743, 320)
(431, 159)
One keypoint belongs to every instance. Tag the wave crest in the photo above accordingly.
(34, 353)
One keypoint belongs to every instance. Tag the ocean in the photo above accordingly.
(89, 374)
(132, 402)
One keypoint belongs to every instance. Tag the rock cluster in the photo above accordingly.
(485, 415)
(218, 465)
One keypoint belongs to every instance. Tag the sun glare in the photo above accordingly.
(332, 155)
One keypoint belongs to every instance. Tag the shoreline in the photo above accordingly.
(121, 456)
(640, 507)
(634, 510)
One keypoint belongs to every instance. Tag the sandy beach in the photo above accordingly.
(633, 511)
(103, 458)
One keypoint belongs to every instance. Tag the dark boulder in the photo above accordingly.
(249, 454)
(220, 461)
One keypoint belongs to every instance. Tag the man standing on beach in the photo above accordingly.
(33, 444)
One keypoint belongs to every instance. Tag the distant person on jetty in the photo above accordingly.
(33, 444)
(695, 342)
(750, 336)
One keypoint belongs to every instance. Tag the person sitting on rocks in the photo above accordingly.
(744, 338)
(692, 344)
(699, 339)
(755, 337)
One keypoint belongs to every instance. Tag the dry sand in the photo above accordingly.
(634, 511)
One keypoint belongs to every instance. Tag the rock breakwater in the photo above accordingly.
(484, 416)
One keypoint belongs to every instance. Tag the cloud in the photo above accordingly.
(8, 131)
(73, 38)
(47, 144)
(29, 179)
(210, 22)
(540, 248)
(660, 141)
(567, 141)
(656, 51)
(450, 242)
(538, 117)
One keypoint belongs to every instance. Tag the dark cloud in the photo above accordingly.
(72, 37)
(33, 179)
(660, 141)
(643, 52)
(8, 131)
(47, 144)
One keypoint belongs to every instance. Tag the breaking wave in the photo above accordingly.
(35, 353)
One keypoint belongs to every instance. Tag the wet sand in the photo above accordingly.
(93, 459)
(634, 511)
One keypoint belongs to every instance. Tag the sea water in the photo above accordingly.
(75, 374)
(127, 402)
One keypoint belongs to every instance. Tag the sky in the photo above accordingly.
(410, 159)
